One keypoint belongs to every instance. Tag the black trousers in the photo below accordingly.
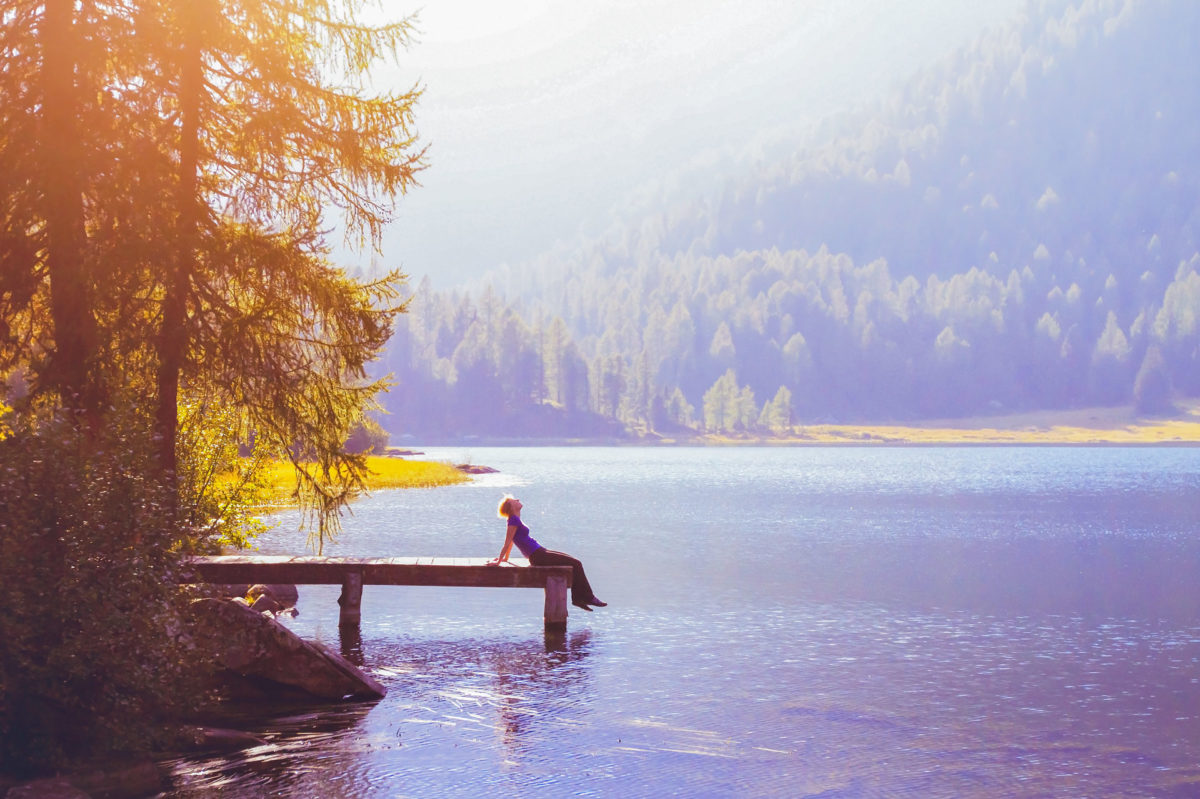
(581, 589)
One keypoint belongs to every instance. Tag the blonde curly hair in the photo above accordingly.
(506, 507)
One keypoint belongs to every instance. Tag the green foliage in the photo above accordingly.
(222, 478)
(367, 437)
(777, 414)
(91, 661)
(167, 238)
(679, 411)
(284, 337)
(728, 408)
(1152, 387)
(964, 345)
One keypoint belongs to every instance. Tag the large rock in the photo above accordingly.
(282, 596)
(273, 598)
(255, 645)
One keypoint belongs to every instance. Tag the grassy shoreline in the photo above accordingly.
(385, 472)
(1102, 426)
(1111, 426)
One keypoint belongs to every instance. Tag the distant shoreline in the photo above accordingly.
(1105, 427)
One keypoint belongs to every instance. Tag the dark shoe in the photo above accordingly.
(582, 606)
(597, 603)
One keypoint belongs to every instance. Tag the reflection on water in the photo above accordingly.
(477, 695)
(277, 768)
(516, 692)
(350, 643)
(834, 622)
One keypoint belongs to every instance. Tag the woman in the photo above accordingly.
(517, 533)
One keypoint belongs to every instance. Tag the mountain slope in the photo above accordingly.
(1017, 228)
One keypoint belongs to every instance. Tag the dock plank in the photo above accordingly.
(319, 570)
(353, 573)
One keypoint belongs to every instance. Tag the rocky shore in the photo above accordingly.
(258, 659)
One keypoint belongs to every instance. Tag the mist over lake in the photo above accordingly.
(845, 620)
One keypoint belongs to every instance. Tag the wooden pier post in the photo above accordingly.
(556, 603)
(351, 600)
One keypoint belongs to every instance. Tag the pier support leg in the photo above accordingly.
(556, 603)
(351, 600)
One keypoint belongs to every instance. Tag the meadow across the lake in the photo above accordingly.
(1116, 425)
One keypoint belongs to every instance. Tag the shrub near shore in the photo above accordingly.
(89, 572)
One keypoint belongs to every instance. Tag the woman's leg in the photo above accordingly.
(581, 589)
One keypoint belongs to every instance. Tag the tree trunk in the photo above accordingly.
(73, 362)
(173, 339)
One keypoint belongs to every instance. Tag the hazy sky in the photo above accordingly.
(544, 117)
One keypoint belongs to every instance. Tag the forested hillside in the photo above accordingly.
(1017, 228)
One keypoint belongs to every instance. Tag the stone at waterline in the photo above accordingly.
(282, 594)
(468, 468)
(273, 598)
(255, 645)
(218, 739)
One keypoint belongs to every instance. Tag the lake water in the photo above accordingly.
(834, 622)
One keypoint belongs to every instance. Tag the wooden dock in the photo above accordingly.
(353, 573)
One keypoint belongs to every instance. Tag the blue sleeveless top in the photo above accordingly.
(524, 543)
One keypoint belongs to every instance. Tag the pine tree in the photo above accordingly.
(180, 161)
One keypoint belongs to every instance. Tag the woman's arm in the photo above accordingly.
(508, 544)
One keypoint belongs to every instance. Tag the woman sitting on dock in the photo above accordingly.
(517, 533)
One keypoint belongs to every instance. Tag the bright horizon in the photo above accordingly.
(545, 123)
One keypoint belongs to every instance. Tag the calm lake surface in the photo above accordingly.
(998, 621)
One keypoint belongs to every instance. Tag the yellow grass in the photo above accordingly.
(1118, 425)
(384, 473)
(400, 473)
